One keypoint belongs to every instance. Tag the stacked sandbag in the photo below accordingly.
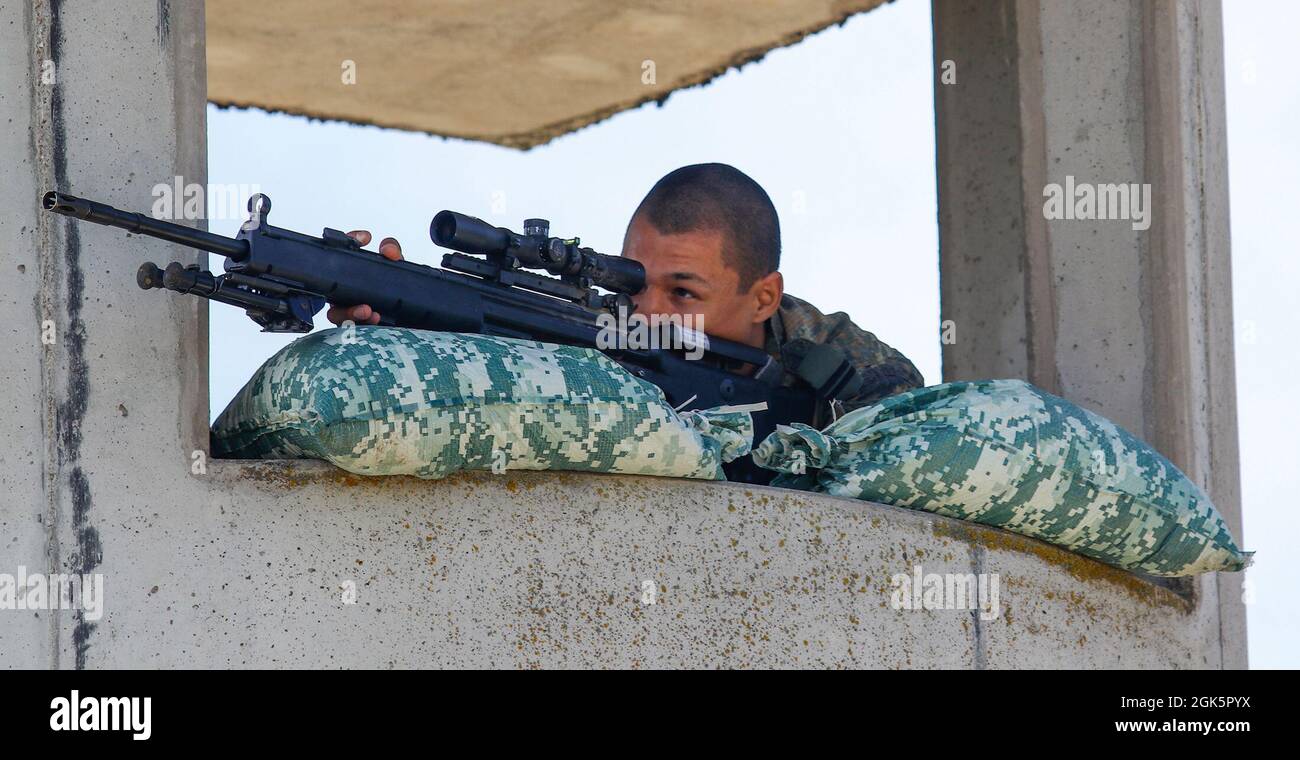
(1006, 454)
(391, 401)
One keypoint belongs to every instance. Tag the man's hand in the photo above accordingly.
(362, 314)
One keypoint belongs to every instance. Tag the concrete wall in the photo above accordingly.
(216, 564)
(1135, 324)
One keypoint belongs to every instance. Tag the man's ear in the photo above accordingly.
(767, 292)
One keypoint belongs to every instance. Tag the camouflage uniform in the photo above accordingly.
(884, 371)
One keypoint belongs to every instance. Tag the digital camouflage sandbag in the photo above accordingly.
(390, 401)
(1004, 453)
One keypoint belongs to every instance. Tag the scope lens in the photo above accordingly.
(444, 227)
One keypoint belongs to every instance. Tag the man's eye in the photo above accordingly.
(683, 293)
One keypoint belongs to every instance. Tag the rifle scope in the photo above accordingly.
(536, 250)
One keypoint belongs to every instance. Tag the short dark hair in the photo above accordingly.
(718, 197)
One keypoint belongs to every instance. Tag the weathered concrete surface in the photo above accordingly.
(231, 564)
(104, 105)
(1133, 323)
(548, 570)
(23, 637)
(516, 74)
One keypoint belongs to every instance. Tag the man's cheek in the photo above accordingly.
(699, 316)
(722, 323)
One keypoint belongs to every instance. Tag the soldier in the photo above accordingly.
(710, 241)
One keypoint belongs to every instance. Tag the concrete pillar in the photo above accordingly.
(99, 378)
(1135, 324)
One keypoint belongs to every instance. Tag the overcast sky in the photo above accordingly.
(840, 131)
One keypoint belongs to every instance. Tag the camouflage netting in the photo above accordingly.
(1004, 453)
(386, 401)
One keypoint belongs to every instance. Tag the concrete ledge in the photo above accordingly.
(548, 570)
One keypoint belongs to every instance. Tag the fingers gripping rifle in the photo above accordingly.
(283, 278)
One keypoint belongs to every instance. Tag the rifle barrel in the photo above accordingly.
(102, 213)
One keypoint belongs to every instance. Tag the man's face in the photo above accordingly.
(685, 274)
